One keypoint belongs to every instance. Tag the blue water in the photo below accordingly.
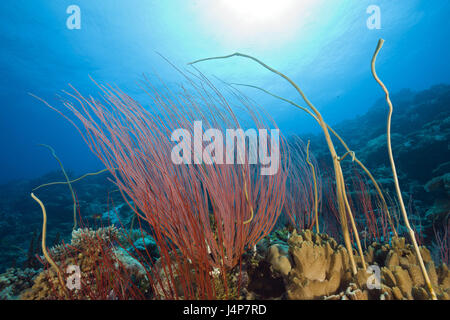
(325, 46)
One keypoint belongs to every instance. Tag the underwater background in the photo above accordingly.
(324, 46)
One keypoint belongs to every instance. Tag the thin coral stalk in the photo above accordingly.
(68, 183)
(354, 158)
(316, 200)
(358, 241)
(443, 242)
(71, 181)
(44, 247)
(299, 204)
(340, 184)
(394, 172)
(366, 205)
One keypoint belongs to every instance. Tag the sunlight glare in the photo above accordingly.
(257, 21)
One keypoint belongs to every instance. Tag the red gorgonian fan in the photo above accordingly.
(299, 204)
(207, 210)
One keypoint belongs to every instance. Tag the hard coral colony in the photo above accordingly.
(211, 225)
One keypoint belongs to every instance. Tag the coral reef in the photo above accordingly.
(319, 266)
(287, 264)
(20, 220)
(81, 237)
(14, 281)
(106, 272)
(315, 266)
(303, 265)
(421, 132)
(439, 187)
(401, 277)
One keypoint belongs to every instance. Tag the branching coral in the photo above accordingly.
(211, 213)
(104, 271)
